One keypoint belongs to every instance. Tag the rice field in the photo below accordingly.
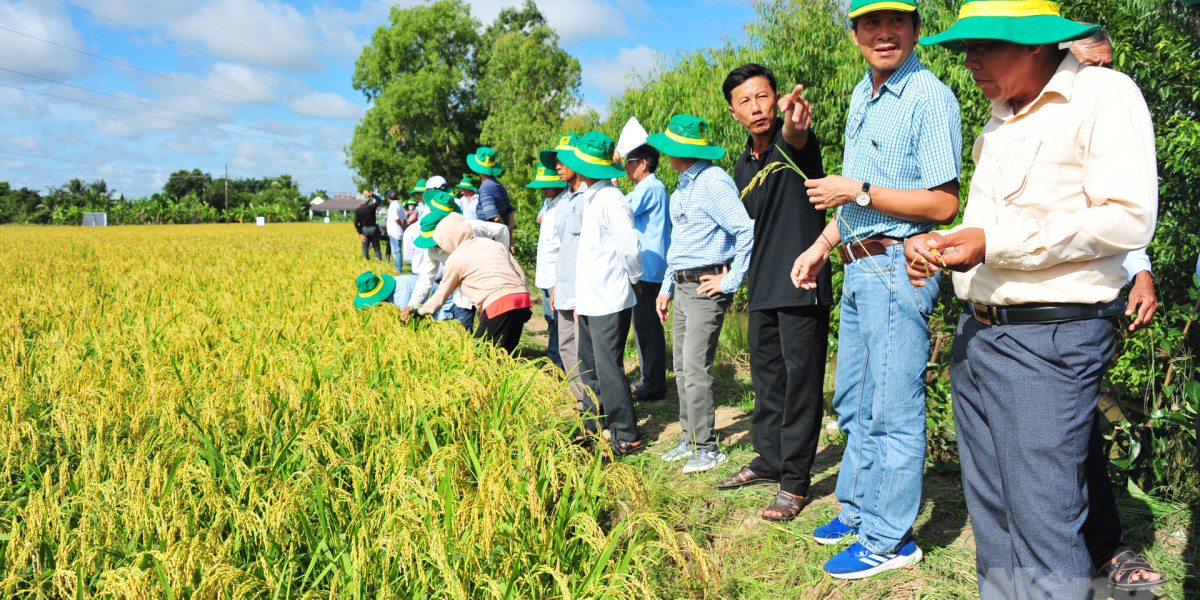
(200, 412)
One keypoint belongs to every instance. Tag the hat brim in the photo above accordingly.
(900, 6)
(1027, 31)
(548, 184)
(475, 165)
(587, 169)
(670, 147)
(547, 158)
(385, 291)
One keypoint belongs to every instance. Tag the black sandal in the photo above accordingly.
(785, 504)
(622, 448)
(743, 478)
(1124, 567)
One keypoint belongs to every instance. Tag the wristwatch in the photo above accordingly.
(864, 197)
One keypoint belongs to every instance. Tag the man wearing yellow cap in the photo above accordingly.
(1065, 185)
(900, 169)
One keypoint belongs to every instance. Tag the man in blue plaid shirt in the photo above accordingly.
(709, 230)
(901, 163)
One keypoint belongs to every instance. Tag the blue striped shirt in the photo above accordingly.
(709, 226)
(908, 137)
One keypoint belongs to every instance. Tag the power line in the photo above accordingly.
(167, 108)
(167, 77)
(90, 164)
(105, 106)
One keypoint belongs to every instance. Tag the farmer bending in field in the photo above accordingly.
(711, 240)
(487, 275)
(428, 266)
(900, 168)
(397, 290)
(1065, 185)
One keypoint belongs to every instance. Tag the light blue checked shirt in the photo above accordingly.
(709, 226)
(908, 137)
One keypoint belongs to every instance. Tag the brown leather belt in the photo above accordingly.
(869, 247)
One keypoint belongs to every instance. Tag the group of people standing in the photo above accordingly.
(1063, 199)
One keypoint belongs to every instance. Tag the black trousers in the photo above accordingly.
(504, 329)
(602, 369)
(788, 347)
(371, 242)
(650, 339)
(1102, 529)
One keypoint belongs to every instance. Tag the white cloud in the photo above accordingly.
(577, 20)
(268, 33)
(263, 158)
(27, 143)
(612, 75)
(237, 81)
(186, 144)
(19, 104)
(325, 104)
(42, 20)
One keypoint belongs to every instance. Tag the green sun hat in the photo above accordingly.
(592, 157)
(440, 205)
(373, 289)
(686, 137)
(549, 157)
(417, 189)
(1190, 2)
(469, 182)
(861, 7)
(546, 178)
(1025, 22)
(484, 162)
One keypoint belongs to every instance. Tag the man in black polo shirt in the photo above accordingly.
(788, 326)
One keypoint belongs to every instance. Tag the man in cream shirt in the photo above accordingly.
(1065, 185)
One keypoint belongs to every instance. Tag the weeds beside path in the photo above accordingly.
(758, 559)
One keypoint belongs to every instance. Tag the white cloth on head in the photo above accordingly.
(435, 182)
(632, 136)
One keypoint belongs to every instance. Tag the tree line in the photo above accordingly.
(187, 197)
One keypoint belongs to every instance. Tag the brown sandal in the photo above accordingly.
(786, 505)
(743, 478)
(1120, 572)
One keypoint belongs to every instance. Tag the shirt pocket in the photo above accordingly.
(1012, 182)
(573, 223)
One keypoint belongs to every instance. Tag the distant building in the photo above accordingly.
(344, 203)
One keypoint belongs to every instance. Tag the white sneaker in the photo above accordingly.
(681, 451)
(705, 460)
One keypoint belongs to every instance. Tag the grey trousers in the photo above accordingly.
(1023, 401)
(697, 328)
(650, 339)
(568, 349)
(602, 359)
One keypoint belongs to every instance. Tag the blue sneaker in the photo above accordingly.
(833, 532)
(856, 562)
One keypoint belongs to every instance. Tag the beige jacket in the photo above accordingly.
(483, 269)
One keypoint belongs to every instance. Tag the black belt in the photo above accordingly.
(1043, 313)
(694, 275)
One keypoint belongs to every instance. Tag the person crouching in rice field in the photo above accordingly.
(392, 289)
(489, 277)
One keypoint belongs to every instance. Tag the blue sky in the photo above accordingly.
(130, 90)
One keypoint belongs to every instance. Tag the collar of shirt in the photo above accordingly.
(895, 82)
(645, 183)
(687, 177)
(1062, 83)
(776, 127)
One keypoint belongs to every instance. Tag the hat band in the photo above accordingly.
(441, 207)
(1001, 8)
(420, 189)
(547, 178)
(487, 161)
(372, 292)
(686, 140)
(426, 234)
(592, 160)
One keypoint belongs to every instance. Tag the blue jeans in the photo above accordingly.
(465, 316)
(883, 346)
(551, 330)
(397, 245)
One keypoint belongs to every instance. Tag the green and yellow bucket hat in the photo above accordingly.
(686, 137)
(373, 289)
(548, 157)
(440, 204)
(546, 178)
(592, 157)
(862, 7)
(417, 189)
(469, 182)
(1025, 22)
(484, 162)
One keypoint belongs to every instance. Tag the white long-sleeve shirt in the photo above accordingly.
(427, 270)
(548, 243)
(610, 255)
